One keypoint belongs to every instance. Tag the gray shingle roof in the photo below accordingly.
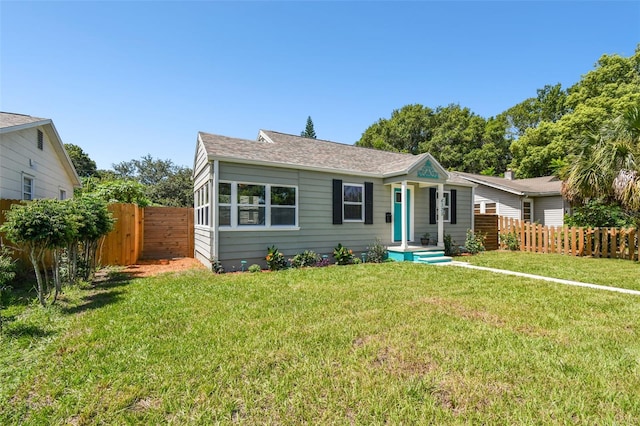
(546, 185)
(8, 119)
(313, 153)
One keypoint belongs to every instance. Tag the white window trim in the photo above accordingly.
(33, 186)
(61, 192)
(202, 204)
(448, 206)
(267, 206)
(351, 203)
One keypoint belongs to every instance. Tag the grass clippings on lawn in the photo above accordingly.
(363, 344)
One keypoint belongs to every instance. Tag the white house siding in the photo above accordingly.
(549, 211)
(508, 204)
(20, 154)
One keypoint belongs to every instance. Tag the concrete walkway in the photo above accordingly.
(539, 277)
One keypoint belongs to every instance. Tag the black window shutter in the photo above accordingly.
(337, 202)
(432, 205)
(453, 208)
(368, 203)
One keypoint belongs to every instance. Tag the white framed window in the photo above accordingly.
(27, 187)
(251, 204)
(491, 208)
(255, 205)
(63, 194)
(527, 210)
(445, 205)
(353, 202)
(202, 205)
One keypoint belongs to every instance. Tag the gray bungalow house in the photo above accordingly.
(306, 194)
(532, 200)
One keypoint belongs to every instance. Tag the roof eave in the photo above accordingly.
(19, 127)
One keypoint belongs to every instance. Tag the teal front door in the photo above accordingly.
(397, 214)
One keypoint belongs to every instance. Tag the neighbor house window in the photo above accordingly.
(256, 205)
(527, 211)
(490, 208)
(476, 208)
(40, 140)
(353, 202)
(63, 194)
(202, 205)
(27, 188)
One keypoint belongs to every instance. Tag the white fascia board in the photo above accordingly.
(491, 185)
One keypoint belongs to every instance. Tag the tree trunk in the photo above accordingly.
(35, 261)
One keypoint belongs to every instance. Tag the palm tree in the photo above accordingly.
(608, 166)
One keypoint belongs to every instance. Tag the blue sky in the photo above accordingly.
(126, 79)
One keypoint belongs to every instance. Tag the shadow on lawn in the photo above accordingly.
(18, 330)
(104, 292)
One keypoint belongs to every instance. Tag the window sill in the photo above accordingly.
(258, 228)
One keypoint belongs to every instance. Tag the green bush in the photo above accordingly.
(305, 259)
(343, 255)
(255, 268)
(275, 259)
(376, 253)
(510, 240)
(474, 242)
(450, 248)
(596, 213)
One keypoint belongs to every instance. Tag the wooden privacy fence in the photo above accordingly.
(575, 241)
(139, 233)
(148, 233)
(487, 225)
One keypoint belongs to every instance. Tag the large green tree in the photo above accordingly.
(608, 165)
(84, 165)
(553, 126)
(166, 183)
(458, 138)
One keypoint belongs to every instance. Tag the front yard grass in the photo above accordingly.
(610, 272)
(362, 344)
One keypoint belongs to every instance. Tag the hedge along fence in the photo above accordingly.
(619, 243)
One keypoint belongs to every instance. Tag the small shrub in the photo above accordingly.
(343, 255)
(323, 262)
(376, 253)
(450, 248)
(474, 242)
(217, 267)
(255, 268)
(304, 259)
(356, 261)
(510, 240)
(275, 259)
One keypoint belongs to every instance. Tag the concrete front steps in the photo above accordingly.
(428, 255)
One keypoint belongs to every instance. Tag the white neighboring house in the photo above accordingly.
(532, 200)
(33, 161)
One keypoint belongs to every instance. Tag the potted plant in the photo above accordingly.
(424, 240)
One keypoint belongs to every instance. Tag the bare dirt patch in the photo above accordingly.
(151, 267)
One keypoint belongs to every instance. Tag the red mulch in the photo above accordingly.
(151, 267)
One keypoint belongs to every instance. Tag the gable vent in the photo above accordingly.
(40, 140)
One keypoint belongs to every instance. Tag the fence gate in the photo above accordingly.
(168, 232)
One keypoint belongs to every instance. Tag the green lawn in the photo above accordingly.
(363, 344)
(610, 272)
